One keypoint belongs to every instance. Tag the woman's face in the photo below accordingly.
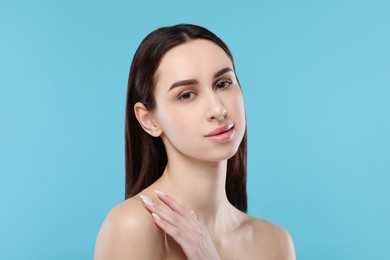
(199, 104)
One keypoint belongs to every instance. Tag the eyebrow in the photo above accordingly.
(222, 71)
(183, 83)
(193, 81)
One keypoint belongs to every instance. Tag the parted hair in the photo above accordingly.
(145, 156)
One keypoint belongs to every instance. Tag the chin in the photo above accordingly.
(218, 156)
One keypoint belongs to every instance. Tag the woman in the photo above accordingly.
(186, 137)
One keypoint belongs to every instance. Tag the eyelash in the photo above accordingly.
(225, 84)
(181, 97)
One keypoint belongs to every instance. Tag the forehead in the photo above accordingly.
(195, 58)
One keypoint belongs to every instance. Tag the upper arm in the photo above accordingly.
(128, 233)
(281, 243)
(274, 241)
(285, 245)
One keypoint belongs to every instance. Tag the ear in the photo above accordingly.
(146, 120)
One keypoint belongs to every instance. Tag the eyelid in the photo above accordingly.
(228, 81)
(180, 96)
(225, 76)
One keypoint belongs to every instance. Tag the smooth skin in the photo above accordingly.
(186, 214)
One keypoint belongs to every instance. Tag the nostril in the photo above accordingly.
(216, 109)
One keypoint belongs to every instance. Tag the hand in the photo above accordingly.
(183, 226)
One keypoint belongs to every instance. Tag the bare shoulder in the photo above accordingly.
(128, 232)
(272, 239)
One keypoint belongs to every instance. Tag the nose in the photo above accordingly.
(215, 108)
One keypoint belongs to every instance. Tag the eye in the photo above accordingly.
(223, 84)
(187, 96)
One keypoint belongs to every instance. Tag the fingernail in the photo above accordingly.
(155, 216)
(160, 192)
(193, 214)
(146, 200)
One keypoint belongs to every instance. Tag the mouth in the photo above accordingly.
(220, 130)
(221, 134)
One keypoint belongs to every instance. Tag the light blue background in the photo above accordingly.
(316, 79)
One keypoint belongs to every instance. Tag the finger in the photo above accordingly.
(166, 213)
(186, 237)
(193, 214)
(173, 204)
(167, 227)
(148, 202)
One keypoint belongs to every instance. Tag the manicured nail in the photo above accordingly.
(193, 214)
(146, 200)
(155, 216)
(160, 192)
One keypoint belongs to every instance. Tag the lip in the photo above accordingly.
(221, 134)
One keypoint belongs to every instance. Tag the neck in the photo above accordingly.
(200, 186)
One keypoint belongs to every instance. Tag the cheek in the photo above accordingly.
(237, 107)
(173, 120)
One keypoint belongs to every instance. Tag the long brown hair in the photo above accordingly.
(146, 157)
